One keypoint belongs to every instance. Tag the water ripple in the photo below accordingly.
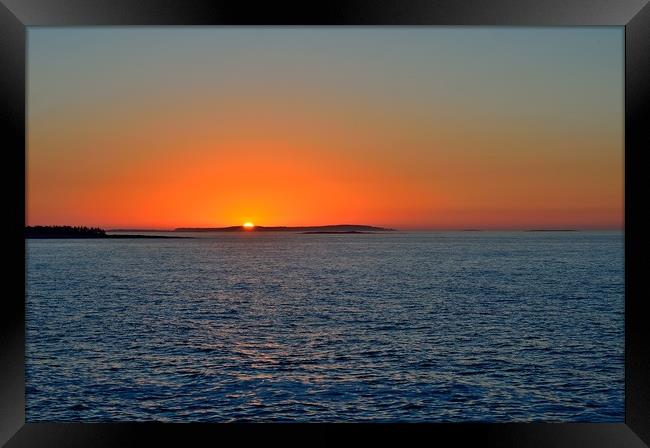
(400, 327)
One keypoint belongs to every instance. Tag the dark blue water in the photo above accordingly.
(448, 326)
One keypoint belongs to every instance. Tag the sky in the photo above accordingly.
(406, 127)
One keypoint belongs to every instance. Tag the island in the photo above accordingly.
(337, 228)
(50, 232)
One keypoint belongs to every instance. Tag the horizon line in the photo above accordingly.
(394, 228)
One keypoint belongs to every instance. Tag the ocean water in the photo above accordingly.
(409, 327)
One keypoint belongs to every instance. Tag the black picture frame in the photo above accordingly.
(16, 15)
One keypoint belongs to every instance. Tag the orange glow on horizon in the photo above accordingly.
(303, 184)
(248, 225)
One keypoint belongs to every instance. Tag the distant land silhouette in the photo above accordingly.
(77, 232)
(338, 228)
(96, 232)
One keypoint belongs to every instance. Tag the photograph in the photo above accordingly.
(379, 224)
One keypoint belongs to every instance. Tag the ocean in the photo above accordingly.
(391, 327)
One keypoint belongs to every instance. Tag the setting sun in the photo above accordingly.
(248, 225)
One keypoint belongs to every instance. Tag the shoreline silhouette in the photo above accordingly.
(67, 231)
(53, 232)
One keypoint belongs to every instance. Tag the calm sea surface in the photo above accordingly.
(446, 326)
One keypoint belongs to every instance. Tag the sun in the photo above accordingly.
(248, 225)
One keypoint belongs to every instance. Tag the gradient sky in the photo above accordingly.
(410, 127)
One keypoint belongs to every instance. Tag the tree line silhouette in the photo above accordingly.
(64, 231)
